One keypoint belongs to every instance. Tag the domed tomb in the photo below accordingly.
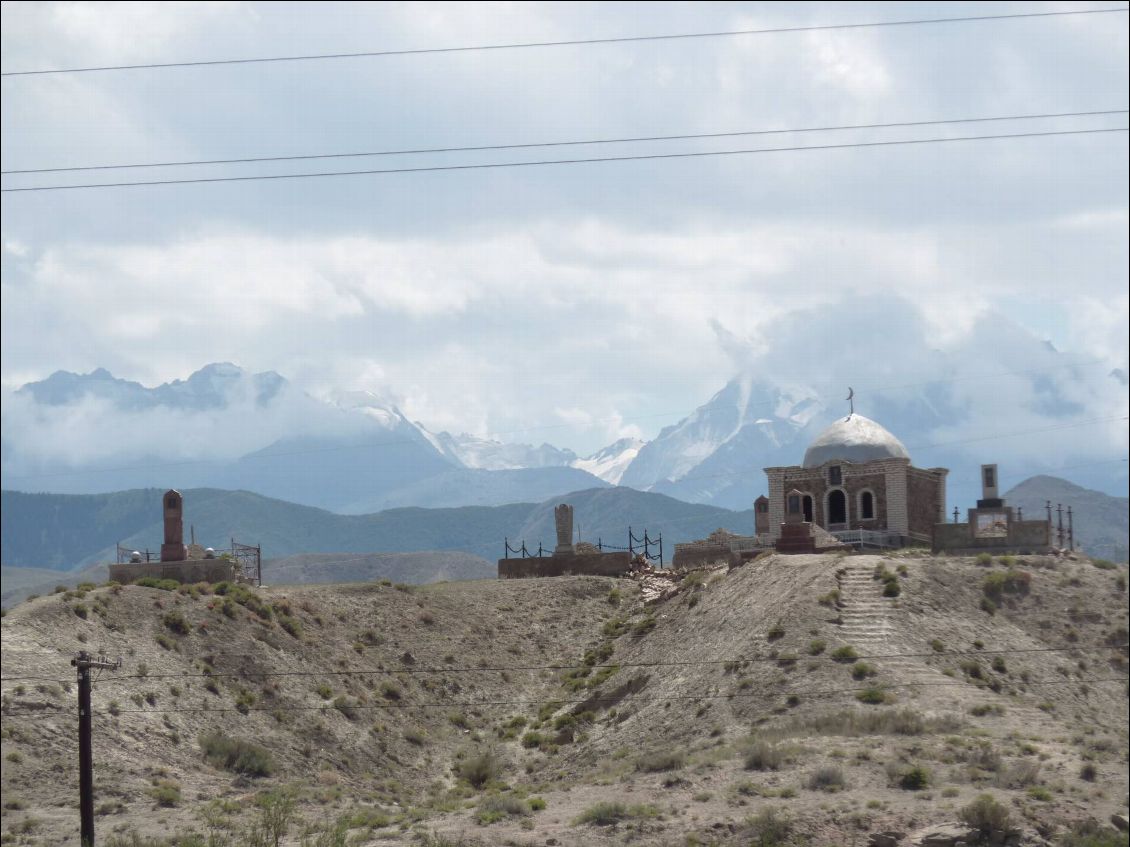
(854, 439)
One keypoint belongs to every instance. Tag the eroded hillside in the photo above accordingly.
(801, 696)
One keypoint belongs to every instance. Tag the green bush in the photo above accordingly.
(663, 760)
(763, 756)
(236, 755)
(872, 696)
(816, 647)
(985, 815)
(914, 779)
(478, 769)
(347, 706)
(845, 654)
(153, 582)
(998, 583)
(497, 807)
(891, 588)
(826, 779)
(166, 793)
(862, 670)
(607, 814)
(176, 623)
(769, 829)
(775, 633)
(532, 739)
(984, 559)
(537, 804)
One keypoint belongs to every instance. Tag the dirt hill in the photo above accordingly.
(791, 699)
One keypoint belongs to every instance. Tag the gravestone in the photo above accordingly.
(563, 517)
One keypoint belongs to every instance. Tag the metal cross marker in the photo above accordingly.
(851, 402)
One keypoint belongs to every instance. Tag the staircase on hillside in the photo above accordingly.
(865, 625)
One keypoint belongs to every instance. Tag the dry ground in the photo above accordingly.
(699, 715)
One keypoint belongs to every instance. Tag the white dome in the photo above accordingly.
(854, 439)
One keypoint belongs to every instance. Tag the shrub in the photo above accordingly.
(391, 691)
(495, 808)
(1088, 773)
(891, 588)
(845, 654)
(292, 626)
(769, 828)
(999, 665)
(937, 646)
(643, 626)
(775, 633)
(763, 756)
(532, 739)
(153, 582)
(826, 779)
(998, 583)
(914, 779)
(176, 623)
(862, 670)
(614, 597)
(816, 647)
(165, 641)
(985, 815)
(479, 769)
(984, 559)
(537, 804)
(872, 696)
(81, 610)
(663, 760)
(831, 599)
(236, 755)
(347, 706)
(415, 736)
(607, 814)
(165, 792)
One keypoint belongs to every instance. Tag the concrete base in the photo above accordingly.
(188, 571)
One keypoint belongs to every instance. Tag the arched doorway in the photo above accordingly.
(807, 507)
(837, 507)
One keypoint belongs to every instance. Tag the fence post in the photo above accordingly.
(599, 546)
(630, 550)
(661, 550)
(506, 544)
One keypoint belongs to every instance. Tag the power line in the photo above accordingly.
(413, 671)
(699, 154)
(523, 146)
(566, 43)
(593, 700)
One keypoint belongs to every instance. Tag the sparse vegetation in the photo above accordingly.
(663, 760)
(826, 779)
(236, 755)
(608, 814)
(986, 815)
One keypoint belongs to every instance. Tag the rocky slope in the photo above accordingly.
(507, 712)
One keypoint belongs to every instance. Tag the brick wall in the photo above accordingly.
(1023, 537)
(923, 509)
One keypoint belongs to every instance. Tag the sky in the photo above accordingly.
(577, 303)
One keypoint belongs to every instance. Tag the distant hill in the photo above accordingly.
(413, 568)
(1102, 528)
(62, 532)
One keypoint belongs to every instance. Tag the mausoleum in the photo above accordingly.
(858, 476)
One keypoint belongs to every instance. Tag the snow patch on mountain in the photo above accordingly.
(609, 463)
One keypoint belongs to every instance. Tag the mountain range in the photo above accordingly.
(357, 453)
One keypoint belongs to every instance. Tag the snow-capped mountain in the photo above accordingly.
(471, 451)
(213, 386)
(225, 427)
(610, 463)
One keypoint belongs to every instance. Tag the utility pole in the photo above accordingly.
(1070, 531)
(84, 663)
(1059, 512)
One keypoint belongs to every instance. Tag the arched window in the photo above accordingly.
(866, 506)
(837, 507)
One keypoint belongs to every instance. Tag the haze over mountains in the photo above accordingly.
(1002, 395)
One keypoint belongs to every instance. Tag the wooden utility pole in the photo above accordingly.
(84, 663)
